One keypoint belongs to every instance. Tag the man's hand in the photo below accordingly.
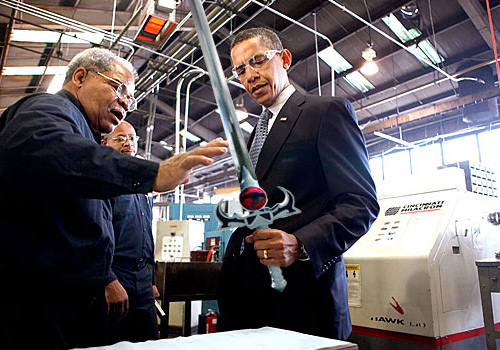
(281, 248)
(155, 292)
(117, 298)
(175, 170)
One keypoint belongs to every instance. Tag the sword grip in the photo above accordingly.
(278, 282)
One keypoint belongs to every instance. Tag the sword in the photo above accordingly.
(252, 196)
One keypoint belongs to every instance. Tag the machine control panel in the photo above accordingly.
(388, 232)
(171, 247)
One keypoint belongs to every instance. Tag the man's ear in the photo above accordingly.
(287, 58)
(104, 142)
(79, 76)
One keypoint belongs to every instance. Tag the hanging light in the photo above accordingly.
(370, 67)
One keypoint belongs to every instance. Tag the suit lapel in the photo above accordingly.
(279, 133)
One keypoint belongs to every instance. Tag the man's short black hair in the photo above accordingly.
(267, 37)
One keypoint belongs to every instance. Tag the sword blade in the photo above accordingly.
(237, 146)
(234, 136)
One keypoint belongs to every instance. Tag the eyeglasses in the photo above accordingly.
(124, 138)
(255, 62)
(122, 92)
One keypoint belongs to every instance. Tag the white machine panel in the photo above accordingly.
(414, 272)
(175, 239)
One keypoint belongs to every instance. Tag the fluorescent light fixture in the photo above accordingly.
(35, 70)
(171, 4)
(398, 28)
(203, 143)
(424, 51)
(430, 52)
(340, 64)
(246, 126)
(359, 82)
(241, 114)
(334, 60)
(56, 83)
(47, 36)
(165, 145)
(189, 136)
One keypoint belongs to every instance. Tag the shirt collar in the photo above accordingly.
(282, 99)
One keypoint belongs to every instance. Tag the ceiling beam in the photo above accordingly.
(416, 78)
(479, 18)
(432, 110)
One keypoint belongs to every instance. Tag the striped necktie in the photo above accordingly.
(260, 135)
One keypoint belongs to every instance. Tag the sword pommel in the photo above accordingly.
(253, 198)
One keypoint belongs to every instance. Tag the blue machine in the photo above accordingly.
(206, 213)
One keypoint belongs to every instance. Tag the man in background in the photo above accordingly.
(133, 259)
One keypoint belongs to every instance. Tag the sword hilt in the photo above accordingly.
(278, 282)
(261, 219)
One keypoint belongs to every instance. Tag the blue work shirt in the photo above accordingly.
(55, 184)
(132, 223)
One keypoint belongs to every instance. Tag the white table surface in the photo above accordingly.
(251, 339)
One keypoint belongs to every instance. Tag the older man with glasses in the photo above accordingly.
(56, 179)
(132, 312)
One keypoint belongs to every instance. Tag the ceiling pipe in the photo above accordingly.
(395, 140)
(73, 24)
(59, 19)
(317, 58)
(186, 108)
(387, 36)
(127, 26)
(183, 50)
(151, 124)
(230, 79)
(199, 73)
(8, 33)
(306, 28)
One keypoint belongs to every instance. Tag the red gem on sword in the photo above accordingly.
(253, 198)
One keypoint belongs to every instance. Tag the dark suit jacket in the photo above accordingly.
(316, 150)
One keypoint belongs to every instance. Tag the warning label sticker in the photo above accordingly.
(353, 274)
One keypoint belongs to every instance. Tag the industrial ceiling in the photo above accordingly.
(436, 60)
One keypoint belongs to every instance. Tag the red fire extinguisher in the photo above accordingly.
(211, 318)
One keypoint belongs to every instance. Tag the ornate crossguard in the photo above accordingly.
(252, 196)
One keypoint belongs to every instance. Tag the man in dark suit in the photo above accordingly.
(316, 150)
